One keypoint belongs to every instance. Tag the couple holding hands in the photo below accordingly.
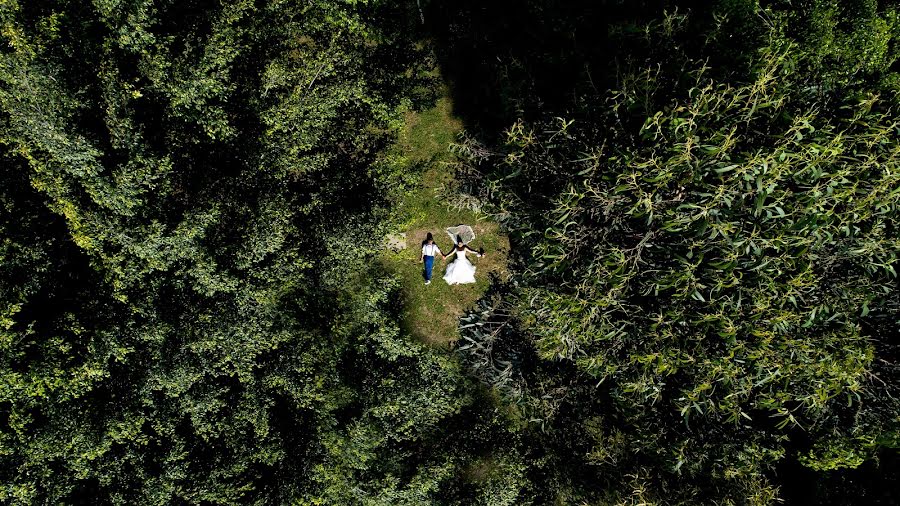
(460, 271)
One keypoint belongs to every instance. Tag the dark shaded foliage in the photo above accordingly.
(620, 212)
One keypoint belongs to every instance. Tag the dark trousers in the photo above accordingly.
(429, 265)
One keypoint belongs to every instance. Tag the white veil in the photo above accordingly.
(463, 232)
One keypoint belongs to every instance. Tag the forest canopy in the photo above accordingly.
(702, 302)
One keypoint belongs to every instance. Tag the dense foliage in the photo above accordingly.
(703, 202)
(715, 254)
(184, 317)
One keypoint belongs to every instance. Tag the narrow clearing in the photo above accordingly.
(431, 313)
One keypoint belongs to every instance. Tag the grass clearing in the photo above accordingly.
(432, 312)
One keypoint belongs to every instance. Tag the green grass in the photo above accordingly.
(431, 312)
(427, 134)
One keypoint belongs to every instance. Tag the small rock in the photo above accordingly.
(397, 242)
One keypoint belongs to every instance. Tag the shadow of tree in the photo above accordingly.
(510, 59)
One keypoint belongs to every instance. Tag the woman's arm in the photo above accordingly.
(473, 251)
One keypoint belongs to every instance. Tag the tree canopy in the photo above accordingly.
(711, 255)
(182, 318)
(702, 304)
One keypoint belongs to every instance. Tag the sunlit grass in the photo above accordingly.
(431, 312)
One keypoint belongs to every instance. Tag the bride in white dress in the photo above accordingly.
(460, 271)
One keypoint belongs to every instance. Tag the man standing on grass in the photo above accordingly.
(429, 251)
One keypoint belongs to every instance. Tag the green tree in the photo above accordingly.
(188, 313)
(708, 276)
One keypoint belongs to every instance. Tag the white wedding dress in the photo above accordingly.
(461, 270)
